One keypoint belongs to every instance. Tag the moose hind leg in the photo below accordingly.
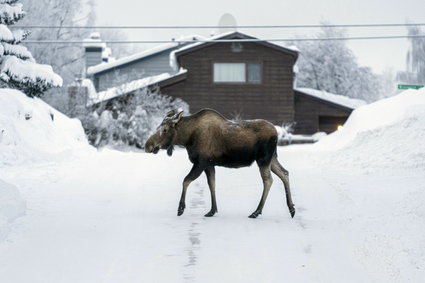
(267, 183)
(284, 176)
(210, 172)
(193, 174)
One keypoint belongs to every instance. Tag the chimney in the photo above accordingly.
(93, 47)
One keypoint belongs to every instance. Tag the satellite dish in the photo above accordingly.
(227, 23)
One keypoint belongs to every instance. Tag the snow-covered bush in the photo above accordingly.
(284, 131)
(129, 121)
(32, 131)
(18, 68)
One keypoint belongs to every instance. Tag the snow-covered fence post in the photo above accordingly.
(18, 68)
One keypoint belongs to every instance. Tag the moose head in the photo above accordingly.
(164, 137)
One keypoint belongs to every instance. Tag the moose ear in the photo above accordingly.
(170, 113)
(177, 117)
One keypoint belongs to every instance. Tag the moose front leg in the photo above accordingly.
(210, 172)
(193, 174)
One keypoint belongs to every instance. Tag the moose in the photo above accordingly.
(212, 140)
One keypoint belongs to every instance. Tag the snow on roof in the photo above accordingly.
(94, 41)
(130, 86)
(206, 40)
(145, 53)
(226, 34)
(334, 98)
(173, 58)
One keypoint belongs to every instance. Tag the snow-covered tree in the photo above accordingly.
(415, 58)
(18, 68)
(131, 122)
(66, 59)
(331, 66)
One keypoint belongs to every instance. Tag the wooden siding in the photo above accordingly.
(272, 100)
(149, 66)
(314, 115)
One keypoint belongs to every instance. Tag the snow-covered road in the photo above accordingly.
(111, 217)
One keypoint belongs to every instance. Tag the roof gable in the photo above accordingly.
(230, 37)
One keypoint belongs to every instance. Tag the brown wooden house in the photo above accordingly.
(241, 76)
(247, 79)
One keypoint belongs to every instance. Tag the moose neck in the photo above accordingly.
(185, 128)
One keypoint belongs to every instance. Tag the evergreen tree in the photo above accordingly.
(18, 68)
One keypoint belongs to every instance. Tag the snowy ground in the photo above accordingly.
(111, 217)
(72, 214)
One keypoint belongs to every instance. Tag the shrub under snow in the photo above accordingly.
(31, 130)
(129, 121)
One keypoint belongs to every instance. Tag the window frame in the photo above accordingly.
(246, 82)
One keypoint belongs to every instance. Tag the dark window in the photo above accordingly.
(254, 73)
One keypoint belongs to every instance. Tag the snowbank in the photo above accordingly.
(389, 133)
(11, 206)
(32, 131)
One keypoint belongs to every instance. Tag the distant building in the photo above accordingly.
(238, 76)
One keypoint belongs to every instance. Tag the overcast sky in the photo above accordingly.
(378, 54)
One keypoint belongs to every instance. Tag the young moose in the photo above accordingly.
(212, 140)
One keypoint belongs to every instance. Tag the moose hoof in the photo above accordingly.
(209, 214)
(181, 208)
(254, 214)
(292, 211)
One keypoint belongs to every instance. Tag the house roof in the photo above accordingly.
(127, 88)
(201, 42)
(330, 98)
(230, 36)
(102, 67)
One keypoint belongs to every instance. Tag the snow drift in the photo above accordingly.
(389, 133)
(11, 206)
(32, 131)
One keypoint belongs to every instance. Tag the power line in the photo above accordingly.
(215, 27)
(222, 40)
